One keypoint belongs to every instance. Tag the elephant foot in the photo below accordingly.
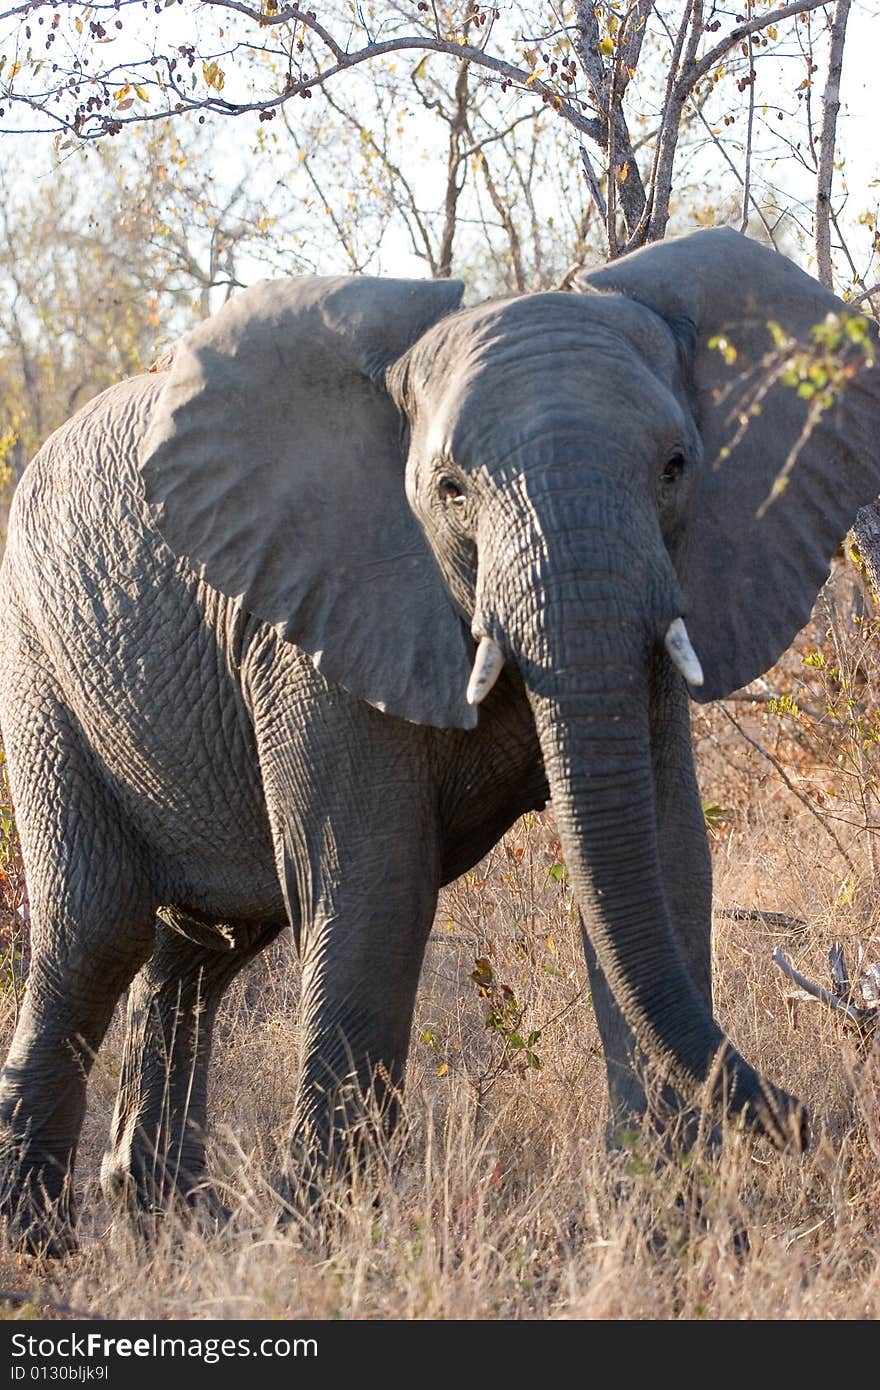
(687, 1218)
(35, 1221)
(664, 1191)
(144, 1199)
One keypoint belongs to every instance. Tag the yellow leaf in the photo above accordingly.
(623, 173)
(16, 67)
(79, 25)
(442, 1069)
(123, 92)
(772, 31)
(605, 47)
(847, 894)
(533, 77)
(141, 91)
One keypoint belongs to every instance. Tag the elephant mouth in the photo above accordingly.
(489, 661)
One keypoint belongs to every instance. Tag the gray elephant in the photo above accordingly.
(296, 628)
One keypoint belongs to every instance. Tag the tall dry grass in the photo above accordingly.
(503, 1202)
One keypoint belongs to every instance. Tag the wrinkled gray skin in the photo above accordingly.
(238, 600)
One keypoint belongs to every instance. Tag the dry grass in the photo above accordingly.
(504, 1203)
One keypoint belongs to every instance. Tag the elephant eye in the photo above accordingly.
(451, 492)
(672, 470)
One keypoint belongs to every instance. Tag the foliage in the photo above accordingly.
(139, 246)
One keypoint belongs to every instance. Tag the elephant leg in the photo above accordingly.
(92, 914)
(354, 808)
(157, 1146)
(356, 1014)
(687, 876)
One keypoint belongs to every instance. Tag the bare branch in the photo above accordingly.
(750, 126)
(742, 31)
(679, 89)
(88, 124)
(825, 172)
(719, 145)
(863, 1018)
(866, 294)
(508, 223)
(614, 136)
(426, 249)
(457, 129)
(594, 186)
(778, 921)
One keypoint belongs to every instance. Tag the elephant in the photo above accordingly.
(297, 625)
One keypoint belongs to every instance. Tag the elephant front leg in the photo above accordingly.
(353, 806)
(157, 1148)
(360, 974)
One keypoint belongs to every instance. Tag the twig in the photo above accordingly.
(747, 174)
(774, 761)
(719, 145)
(865, 294)
(593, 185)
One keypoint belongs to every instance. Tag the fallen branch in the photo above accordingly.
(779, 920)
(865, 1018)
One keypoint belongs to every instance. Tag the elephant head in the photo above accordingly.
(564, 479)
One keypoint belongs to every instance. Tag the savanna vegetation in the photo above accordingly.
(506, 146)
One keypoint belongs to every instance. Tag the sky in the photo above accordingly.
(860, 118)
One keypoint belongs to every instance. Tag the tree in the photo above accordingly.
(509, 148)
(598, 72)
(136, 251)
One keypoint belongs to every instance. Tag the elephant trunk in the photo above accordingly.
(585, 650)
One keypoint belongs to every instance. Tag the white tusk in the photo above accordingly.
(678, 645)
(487, 668)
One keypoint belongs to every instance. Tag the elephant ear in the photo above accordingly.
(273, 466)
(781, 485)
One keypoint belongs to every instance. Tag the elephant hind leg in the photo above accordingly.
(157, 1146)
(92, 915)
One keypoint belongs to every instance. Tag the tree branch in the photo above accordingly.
(825, 172)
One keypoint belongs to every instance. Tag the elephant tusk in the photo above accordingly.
(487, 668)
(678, 645)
